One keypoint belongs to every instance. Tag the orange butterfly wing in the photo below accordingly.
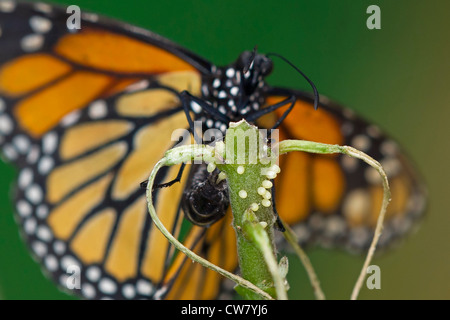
(85, 116)
(334, 200)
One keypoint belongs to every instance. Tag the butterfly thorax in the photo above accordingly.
(235, 90)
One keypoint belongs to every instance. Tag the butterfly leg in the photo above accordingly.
(189, 99)
(291, 100)
(186, 102)
(166, 184)
(285, 114)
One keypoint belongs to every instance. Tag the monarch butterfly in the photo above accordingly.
(85, 115)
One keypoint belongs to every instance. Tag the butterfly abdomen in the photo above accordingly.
(205, 200)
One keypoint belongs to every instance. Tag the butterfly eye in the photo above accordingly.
(265, 65)
(245, 62)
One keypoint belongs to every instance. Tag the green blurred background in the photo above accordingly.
(397, 77)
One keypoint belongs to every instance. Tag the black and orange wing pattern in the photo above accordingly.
(338, 198)
(85, 116)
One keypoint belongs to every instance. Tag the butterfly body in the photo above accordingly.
(204, 200)
(234, 91)
(85, 115)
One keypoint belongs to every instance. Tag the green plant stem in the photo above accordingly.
(291, 238)
(171, 160)
(253, 250)
(256, 232)
(253, 222)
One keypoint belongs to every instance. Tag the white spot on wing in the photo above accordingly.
(389, 148)
(34, 194)
(40, 24)
(391, 166)
(361, 142)
(23, 208)
(42, 211)
(372, 176)
(335, 226)
(45, 165)
(92, 17)
(359, 237)
(316, 222)
(32, 42)
(401, 224)
(33, 154)
(44, 233)
(70, 119)
(30, 226)
(59, 247)
(68, 261)
(49, 142)
(107, 286)
(25, 178)
(88, 290)
(93, 273)
(373, 131)
(349, 163)
(39, 248)
(356, 205)
(51, 263)
(43, 7)
(7, 6)
(63, 280)
(140, 85)
(21, 143)
(347, 128)
(10, 152)
(128, 291)
(348, 113)
(302, 232)
(6, 124)
(144, 287)
(98, 109)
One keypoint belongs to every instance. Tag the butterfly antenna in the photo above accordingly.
(313, 86)
(250, 61)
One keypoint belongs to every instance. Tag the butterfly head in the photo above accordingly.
(236, 90)
(255, 67)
